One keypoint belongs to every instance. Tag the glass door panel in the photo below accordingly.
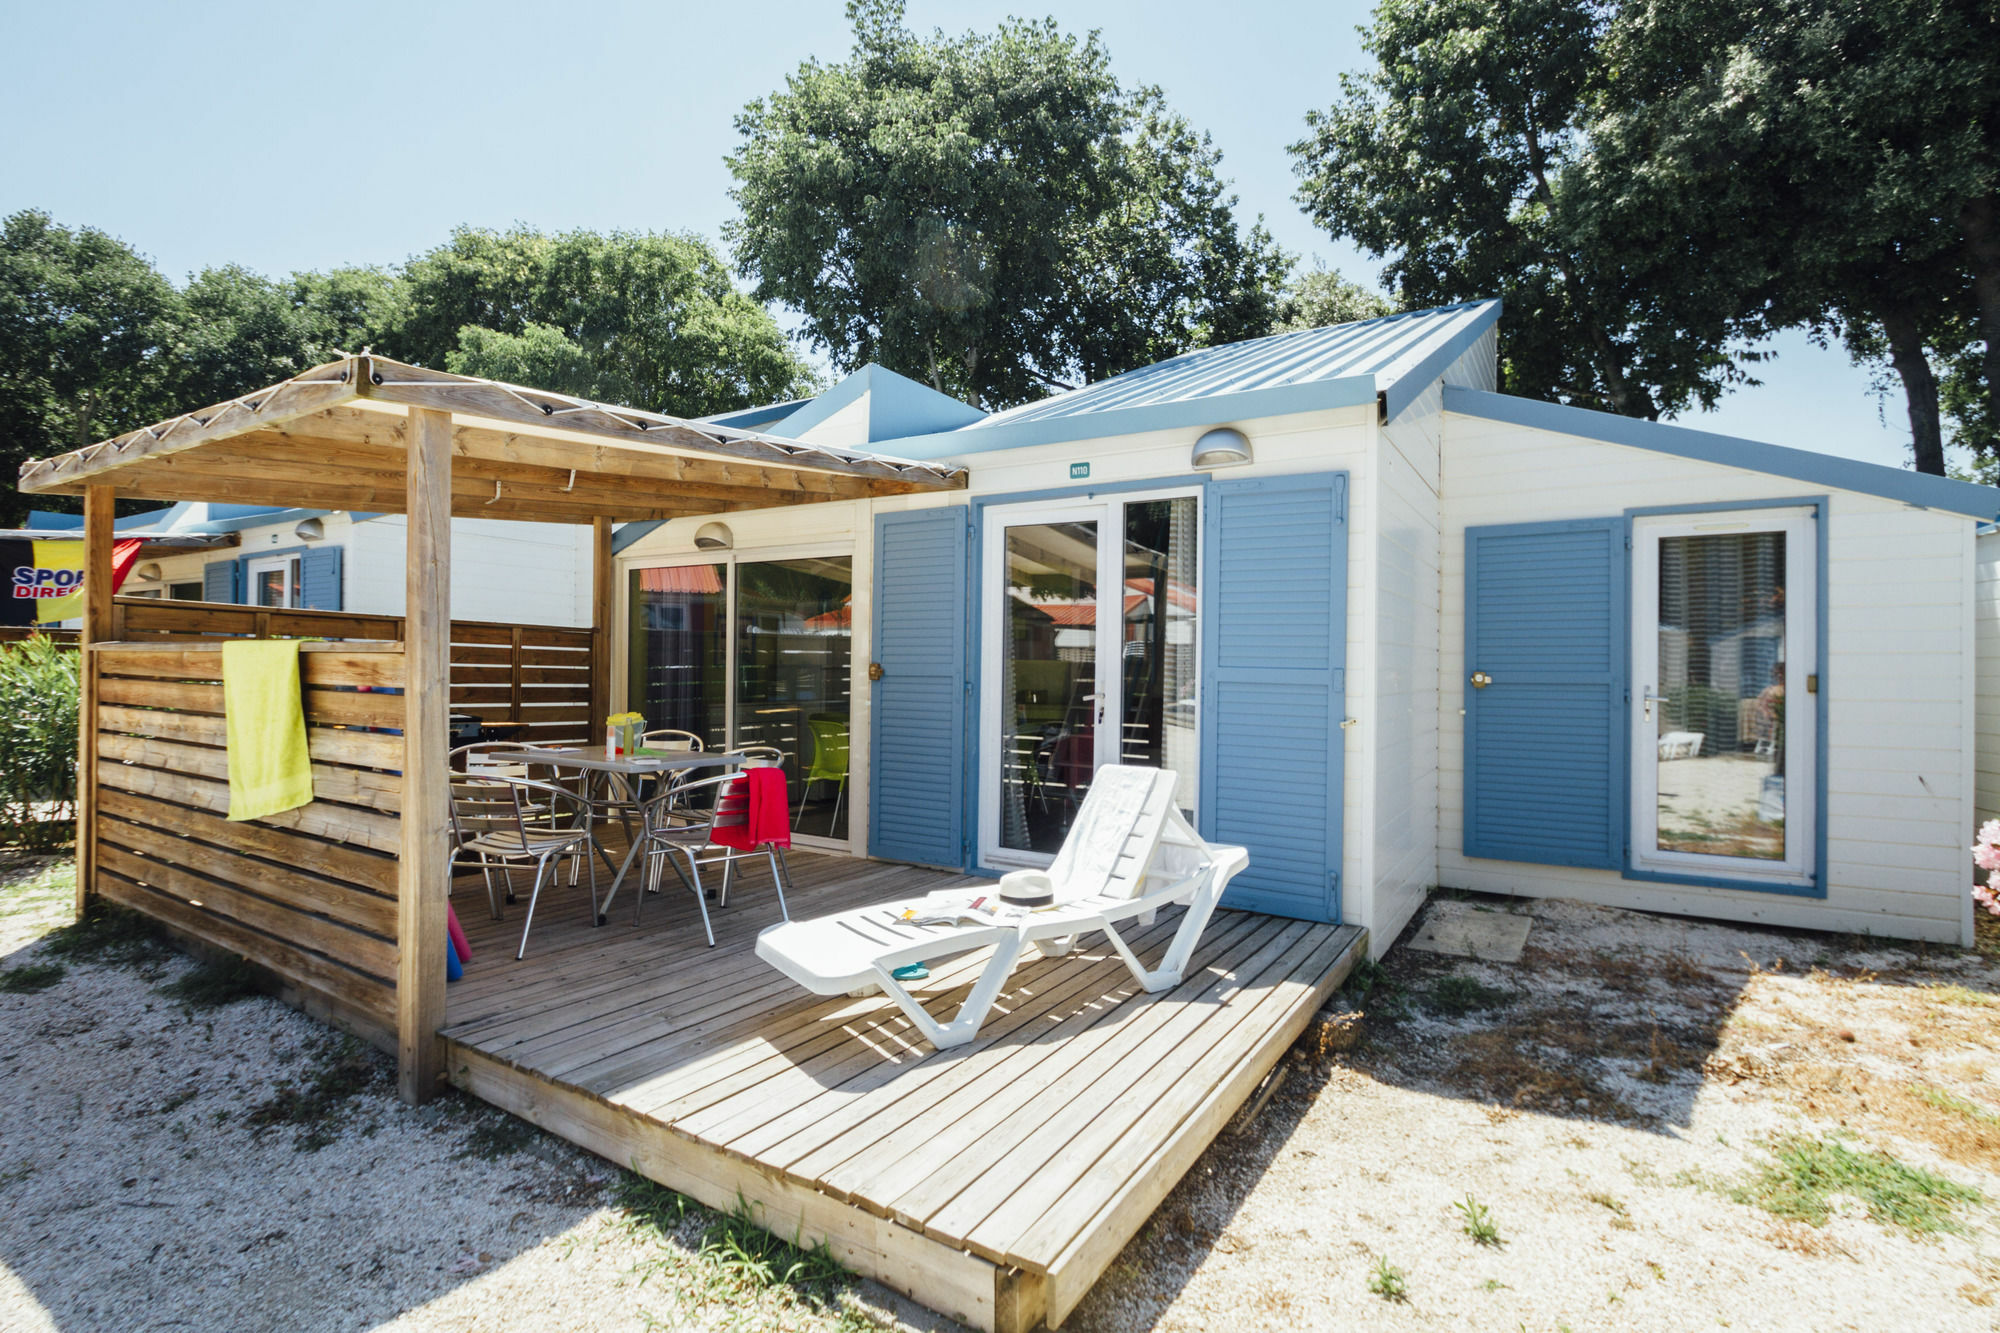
(794, 631)
(1723, 656)
(1157, 698)
(677, 669)
(1720, 750)
(1048, 691)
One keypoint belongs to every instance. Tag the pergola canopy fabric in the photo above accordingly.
(334, 437)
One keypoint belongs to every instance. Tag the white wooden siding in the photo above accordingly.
(1986, 628)
(518, 573)
(1404, 746)
(1899, 682)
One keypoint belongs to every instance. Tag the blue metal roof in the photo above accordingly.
(898, 406)
(1343, 365)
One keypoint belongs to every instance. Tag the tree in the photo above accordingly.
(991, 213)
(81, 322)
(1456, 157)
(1833, 161)
(1320, 297)
(641, 320)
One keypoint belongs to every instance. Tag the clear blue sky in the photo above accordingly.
(302, 137)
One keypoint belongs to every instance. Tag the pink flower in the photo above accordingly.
(1986, 856)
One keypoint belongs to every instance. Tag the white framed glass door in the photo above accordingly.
(753, 649)
(1724, 694)
(1089, 656)
(276, 580)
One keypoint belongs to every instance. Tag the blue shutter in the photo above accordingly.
(319, 578)
(1274, 686)
(917, 722)
(1545, 610)
(219, 581)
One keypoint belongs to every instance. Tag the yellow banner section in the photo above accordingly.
(53, 581)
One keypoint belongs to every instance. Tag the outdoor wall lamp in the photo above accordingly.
(714, 537)
(147, 573)
(309, 530)
(1225, 446)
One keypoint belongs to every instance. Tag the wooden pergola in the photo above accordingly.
(369, 434)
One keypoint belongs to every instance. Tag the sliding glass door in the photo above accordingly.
(1723, 708)
(1089, 647)
(746, 652)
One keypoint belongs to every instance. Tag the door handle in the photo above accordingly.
(1480, 680)
(1649, 699)
(875, 671)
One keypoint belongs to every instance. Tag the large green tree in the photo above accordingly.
(1455, 158)
(1832, 161)
(641, 320)
(82, 321)
(992, 213)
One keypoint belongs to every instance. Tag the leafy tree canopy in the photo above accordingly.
(991, 213)
(1454, 157)
(1319, 296)
(642, 320)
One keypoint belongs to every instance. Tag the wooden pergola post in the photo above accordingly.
(98, 502)
(602, 602)
(426, 856)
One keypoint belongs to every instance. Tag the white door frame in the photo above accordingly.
(1107, 510)
(1801, 669)
(263, 564)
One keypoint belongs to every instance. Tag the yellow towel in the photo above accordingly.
(269, 768)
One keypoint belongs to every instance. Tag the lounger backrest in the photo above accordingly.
(1111, 843)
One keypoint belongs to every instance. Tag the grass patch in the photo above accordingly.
(1953, 993)
(1946, 1100)
(1478, 1222)
(26, 886)
(31, 977)
(723, 1266)
(215, 982)
(317, 1106)
(1388, 1281)
(1455, 996)
(1805, 1174)
(108, 933)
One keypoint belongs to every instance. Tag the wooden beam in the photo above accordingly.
(426, 864)
(98, 540)
(602, 602)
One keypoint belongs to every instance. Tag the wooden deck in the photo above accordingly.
(993, 1183)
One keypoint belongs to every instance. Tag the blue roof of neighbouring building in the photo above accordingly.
(1343, 365)
(898, 407)
(756, 418)
(191, 517)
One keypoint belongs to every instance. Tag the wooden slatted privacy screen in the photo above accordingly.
(537, 674)
(310, 893)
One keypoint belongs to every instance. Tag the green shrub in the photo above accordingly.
(38, 703)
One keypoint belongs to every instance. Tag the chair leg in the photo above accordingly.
(778, 878)
(700, 898)
(839, 795)
(541, 873)
(649, 881)
(728, 870)
(492, 893)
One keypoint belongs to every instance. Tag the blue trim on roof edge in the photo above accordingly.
(1410, 385)
(1847, 474)
(1187, 413)
(625, 534)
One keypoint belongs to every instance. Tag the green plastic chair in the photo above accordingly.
(829, 761)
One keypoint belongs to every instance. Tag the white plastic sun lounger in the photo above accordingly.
(1129, 853)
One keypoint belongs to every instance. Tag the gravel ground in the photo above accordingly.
(168, 1161)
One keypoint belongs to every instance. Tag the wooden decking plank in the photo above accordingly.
(878, 1106)
(1049, 993)
(1149, 1176)
(1066, 1177)
(955, 1202)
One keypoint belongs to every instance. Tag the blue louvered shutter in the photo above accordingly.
(1274, 686)
(219, 581)
(1545, 610)
(917, 721)
(319, 578)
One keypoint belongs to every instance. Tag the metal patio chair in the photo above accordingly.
(679, 827)
(508, 821)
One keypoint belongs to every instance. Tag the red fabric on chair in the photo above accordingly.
(753, 810)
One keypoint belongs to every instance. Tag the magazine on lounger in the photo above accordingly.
(950, 907)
